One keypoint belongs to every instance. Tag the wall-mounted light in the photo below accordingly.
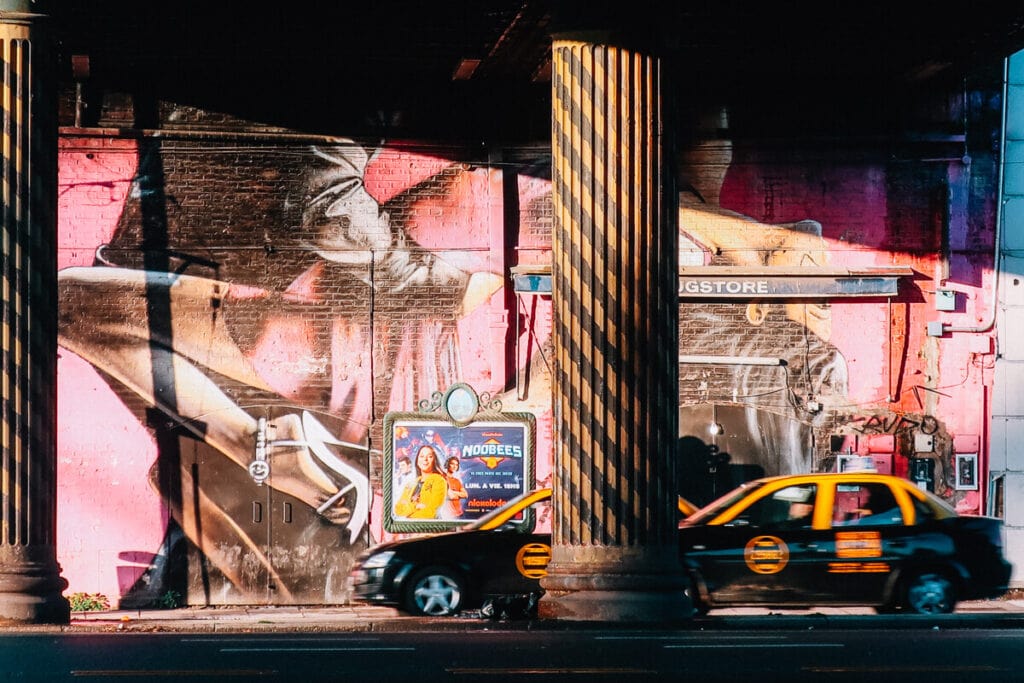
(716, 428)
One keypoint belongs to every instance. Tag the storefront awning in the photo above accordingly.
(740, 282)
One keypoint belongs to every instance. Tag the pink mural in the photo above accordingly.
(236, 320)
(269, 372)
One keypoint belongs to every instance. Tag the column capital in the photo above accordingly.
(23, 11)
(646, 25)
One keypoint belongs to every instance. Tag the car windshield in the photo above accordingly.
(713, 509)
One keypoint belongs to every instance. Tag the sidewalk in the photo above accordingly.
(356, 618)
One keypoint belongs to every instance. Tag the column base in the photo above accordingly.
(601, 583)
(34, 609)
(616, 606)
(31, 587)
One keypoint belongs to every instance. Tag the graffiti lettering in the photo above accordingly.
(898, 423)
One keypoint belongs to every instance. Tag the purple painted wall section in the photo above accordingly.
(217, 297)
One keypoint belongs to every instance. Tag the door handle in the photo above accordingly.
(257, 512)
(259, 468)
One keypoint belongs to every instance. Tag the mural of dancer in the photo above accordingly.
(260, 310)
(217, 354)
(761, 426)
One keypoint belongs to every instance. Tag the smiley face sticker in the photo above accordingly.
(766, 554)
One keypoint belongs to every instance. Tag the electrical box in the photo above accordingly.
(935, 328)
(924, 443)
(945, 300)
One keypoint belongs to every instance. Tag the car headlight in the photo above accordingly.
(378, 560)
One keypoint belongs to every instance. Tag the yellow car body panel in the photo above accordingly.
(685, 507)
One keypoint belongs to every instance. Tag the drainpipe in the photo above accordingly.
(999, 220)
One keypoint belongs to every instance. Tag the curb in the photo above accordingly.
(996, 614)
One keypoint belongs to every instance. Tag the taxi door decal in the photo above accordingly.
(766, 554)
(532, 560)
(858, 544)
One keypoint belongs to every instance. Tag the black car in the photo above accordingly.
(793, 541)
(440, 574)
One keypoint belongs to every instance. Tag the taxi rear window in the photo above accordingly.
(865, 503)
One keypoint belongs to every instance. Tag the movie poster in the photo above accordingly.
(440, 476)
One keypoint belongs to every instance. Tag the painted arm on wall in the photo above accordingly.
(739, 240)
(168, 338)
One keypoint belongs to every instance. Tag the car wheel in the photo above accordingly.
(434, 592)
(929, 593)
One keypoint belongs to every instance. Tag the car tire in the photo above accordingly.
(434, 592)
(929, 592)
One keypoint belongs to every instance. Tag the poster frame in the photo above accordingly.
(440, 424)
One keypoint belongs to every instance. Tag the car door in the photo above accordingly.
(869, 538)
(516, 560)
(763, 554)
(515, 564)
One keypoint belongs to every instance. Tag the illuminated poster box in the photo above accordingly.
(449, 466)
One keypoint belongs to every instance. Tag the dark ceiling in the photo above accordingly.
(388, 65)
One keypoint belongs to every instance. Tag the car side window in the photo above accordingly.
(865, 504)
(788, 508)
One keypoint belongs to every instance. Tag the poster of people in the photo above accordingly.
(440, 476)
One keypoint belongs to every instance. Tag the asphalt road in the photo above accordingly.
(622, 655)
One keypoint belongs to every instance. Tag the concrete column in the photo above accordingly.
(30, 581)
(616, 393)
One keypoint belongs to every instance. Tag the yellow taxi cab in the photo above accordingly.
(857, 538)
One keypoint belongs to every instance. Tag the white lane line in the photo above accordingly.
(548, 671)
(318, 649)
(752, 646)
(688, 637)
(176, 674)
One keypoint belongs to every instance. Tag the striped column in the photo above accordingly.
(30, 581)
(616, 394)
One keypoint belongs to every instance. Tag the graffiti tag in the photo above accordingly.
(893, 425)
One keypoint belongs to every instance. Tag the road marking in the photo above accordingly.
(694, 638)
(318, 649)
(749, 646)
(589, 671)
(173, 673)
(904, 669)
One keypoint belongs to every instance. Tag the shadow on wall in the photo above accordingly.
(705, 473)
